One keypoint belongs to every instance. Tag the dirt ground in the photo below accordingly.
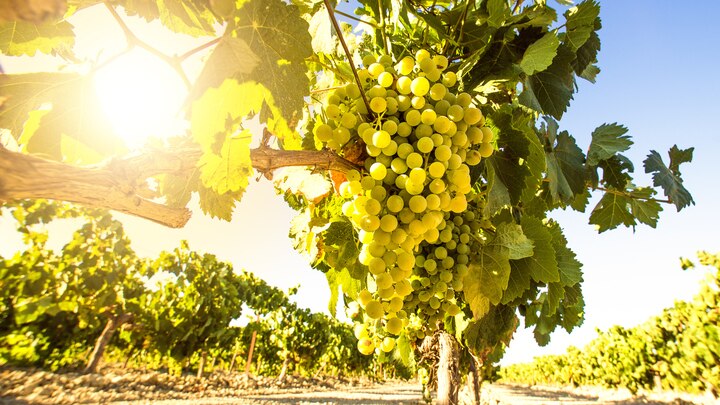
(133, 387)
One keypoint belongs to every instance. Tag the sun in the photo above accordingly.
(142, 97)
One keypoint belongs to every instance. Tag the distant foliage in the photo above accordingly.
(678, 350)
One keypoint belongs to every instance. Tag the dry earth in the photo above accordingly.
(142, 387)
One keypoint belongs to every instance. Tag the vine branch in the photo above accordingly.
(331, 13)
(629, 195)
(121, 184)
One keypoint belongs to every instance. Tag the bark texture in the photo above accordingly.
(448, 373)
(122, 184)
(112, 324)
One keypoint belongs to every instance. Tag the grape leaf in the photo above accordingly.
(607, 140)
(644, 209)
(581, 23)
(612, 211)
(487, 279)
(19, 38)
(566, 173)
(340, 280)
(518, 282)
(616, 171)
(229, 171)
(302, 181)
(230, 58)
(556, 292)
(511, 236)
(669, 179)
(192, 17)
(551, 90)
(494, 328)
(514, 145)
(570, 269)
(539, 55)
(498, 11)
(587, 54)
(279, 38)
(542, 265)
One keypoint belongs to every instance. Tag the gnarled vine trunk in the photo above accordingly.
(448, 371)
(114, 321)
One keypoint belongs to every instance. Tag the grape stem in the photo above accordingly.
(516, 8)
(331, 13)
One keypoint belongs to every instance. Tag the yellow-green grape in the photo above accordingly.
(403, 85)
(449, 79)
(486, 149)
(323, 132)
(428, 117)
(376, 91)
(414, 160)
(388, 223)
(422, 54)
(366, 346)
(378, 104)
(360, 331)
(488, 135)
(381, 139)
(385, 79)
(385, 60)
(443, 153)
(472, 115)
(425, 145)
(368, 59)
(395, 203)
(387, 344)
(374, 309)
(426, 65)
(375, 69)
(417, 102)
(386, 293)
(352, 90)
(420, 86)
(341, 135)
(405, 66)
(383, 281)
(394, 325)
(378, 171)
(440, 62)
(348, 120)
(455, 112)
(413, 117)
(332, 111)
(463, 99)
(395, 304)
(436, 170)
(364, 296)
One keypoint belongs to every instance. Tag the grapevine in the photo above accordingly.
(413, 206)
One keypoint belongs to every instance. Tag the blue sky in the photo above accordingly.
(659, 79)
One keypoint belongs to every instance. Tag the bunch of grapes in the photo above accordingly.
(409, 204)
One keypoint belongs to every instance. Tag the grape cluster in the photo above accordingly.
(410, 203)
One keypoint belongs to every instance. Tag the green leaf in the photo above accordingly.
(612, 211)
(542, 265)
(340, 280)
(513, 145)
(29, 309)
(587, 55)
(556, 292)
(616, 171)
(498, 11)
(306, 183)
(569, 268)
(518, 282)
(668, 179)
(19, 38)
(231, 57)
(551, 90)
(511, 236)
(643, 208)
(581, 23)
(566, 171)
(496, 327)
(539, 55)
(607, 140)
(217, 205)
(190, 17)
(229, 171)
(279, 38)
(487, 279)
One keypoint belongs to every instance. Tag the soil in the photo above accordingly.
(134, 387)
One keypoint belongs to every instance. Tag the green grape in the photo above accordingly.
(381, 139)
(433, 202)
(442, 106)
(418, 175)
(403, 85)
(472, 115)
(449, 79)
(436, 170)
(348, 120)
(434, 75)
(417, 102)
(440, 62)
(421, 54)
(388, 223)
(332, 111)
(455, 112)
(373, 206)
(441, 124)
(374, 309)
(341, 135)
(368, 59)
(385, 79)
(428, 117)
(464, 100)
(378, 104)
(417, 204)
(486, 149)
(437, 91)
(404, 102)
(437, 186)
(323, 132)
(398, 165)
(383, 281)
(423, 130)
(375, 265)
(488, 135)
(425, 145)
(369, 223)
(352, 90)
(405, 66)
(426, 65)
(413, 117)
(420, 86)
(375, 69)
(392, 105)
(443, 153)
(395, 203)
(404, 129)
(415, 160)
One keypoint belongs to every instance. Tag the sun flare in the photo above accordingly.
(142, 97)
